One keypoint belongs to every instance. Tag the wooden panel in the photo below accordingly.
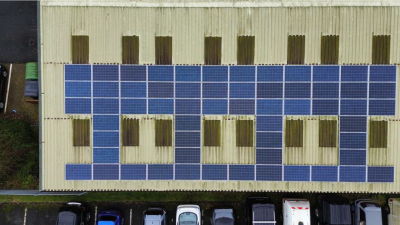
(130, 50)
(246, 50)
(163, 132)
(80, 49)
(244, 133)
(381, 49)
(294, 133)
(378, 134)
(330, 49)
(81, 132)
(130, 132)
(212, 50)
(327, 133)
(163, 50)
(296, 49)
(212, 133)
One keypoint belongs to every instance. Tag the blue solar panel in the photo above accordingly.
(326, 73)
(382, 90)
(160, 172)
(353, 140)
(187, 155)
(297, 90)
(354, 73)
(105, 106)
(241, 107)
(78, 72)
(161, 90)
(297, 107)
(187, 172)
(269, 90)
(242, 90)
(324, 173)
(161, 73)
(78, 172)
(296, 173)
(353, 124)
(187, 106)
(133, 106)
(269, 107)
(78, 89)
(188, 73)
(382, 107)
(105, 73)
(187, 90)
(241, 172)
(133, 90)
(354, 90)
(106, 139)
(105, 122)
(105, 172)
(269, 140)
(133, 172)
(325, 107)
(269, 73)
(161, 106)
(298, 73)
(214, 172)
(105, 155)
(268, 156)
(242, 73)
(352, 174)
(215, 73)
(325, 90)
(353, 157)
(187, 139)
(133, 73)
(269, 173)
(353, 107)
(78, 106)
(380, 174)
(187, 123)
(215, 90)
(215, 107)
(269, 123)
(106, 89)
(382, 73)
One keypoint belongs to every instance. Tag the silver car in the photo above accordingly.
(367, 212)
(223, 217)
(155, 216)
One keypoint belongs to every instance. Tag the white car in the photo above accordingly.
(296, 211)
(188, 215)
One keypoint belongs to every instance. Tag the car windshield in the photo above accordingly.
(187, 218)
(108, 218)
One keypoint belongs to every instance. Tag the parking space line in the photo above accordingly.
(130, 220)
(8, 88)
(95, 215)
(26, 211)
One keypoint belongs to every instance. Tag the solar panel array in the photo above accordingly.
(268, 92)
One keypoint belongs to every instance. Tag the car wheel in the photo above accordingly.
(1, 105)
(5, 73)
(87, 217)
(316, 211)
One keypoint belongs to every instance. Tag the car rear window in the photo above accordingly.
(108, 218)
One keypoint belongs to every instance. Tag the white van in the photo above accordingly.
(296, 212)
(188, 215)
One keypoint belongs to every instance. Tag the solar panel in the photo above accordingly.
(269, 123)
(241, 107)
(214, 172)
(382, 90)
(133, 106)
(215, 73)
(215, 90)
(324, 173)
(269, 107)
(353, 107)
(105, 172)
(297, 90)
(241, 172)
(133, 172)
(105, 73)
(78, 172)
(353, 157)
(161, 106)
(325, 90)
(187, 172)
(78, 72)
(353, 140)
(352, 174)
(160, 172)
(269, 173)
(105, 106)
(242, 73)
(297, 73)
(269, 140)
(353, 123)
(187, 90)
(242, 90)
(133, 89)
(326, 73)
(353, 90)
(268, 156)
(106, 122)
(380, 174)
(187, 155)
(161, 73)
(133, 73)
(161, 90)
(187, 106)
(188, 73)
(382, 73)
(297, 107)
(215, 107)
(106, 89)
(269, 90)
(325, 107)
(187, 139)
(183, 123)
(382, 107)
(269, 73)
(105, 139)
(297, 173)
(78, 106)
(105, 155)
(78, 89)
(354, 73)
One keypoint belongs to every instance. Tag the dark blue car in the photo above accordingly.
(110, 218)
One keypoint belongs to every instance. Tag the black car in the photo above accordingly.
(260, 210)
(333, 210)
(3, 76)
(73, 213)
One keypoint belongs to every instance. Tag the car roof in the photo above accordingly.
(66, 218)
(263, 212)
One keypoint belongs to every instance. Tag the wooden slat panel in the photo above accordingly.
(246, 50)
(81, 132)
(381, 49)
(130, 132)
(294, 133)
(212, 50)
(163, 50)
(330, 50)
(244, 133)
(163, 133)
(80, 49)
(130, 50)
(378, 134)
(212, 133)
(327, 133)
(296, 49)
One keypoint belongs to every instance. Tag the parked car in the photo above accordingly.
(3, 76)
(112, 217)
(73, 213)
(296, 211)
(367, 212)
(333, 210)
(188, 215)
(260, 210)
(155, 216)
(223, 217)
